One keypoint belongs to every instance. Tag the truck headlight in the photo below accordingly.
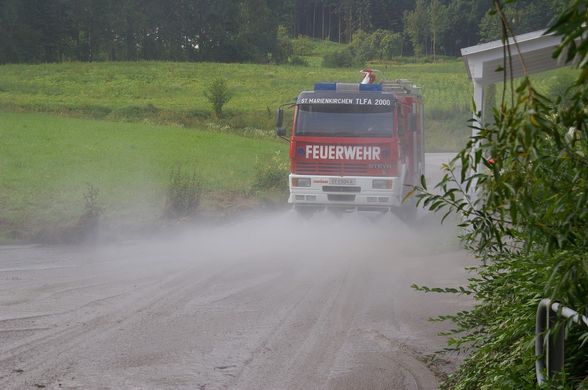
(382, 184)
(300, 182)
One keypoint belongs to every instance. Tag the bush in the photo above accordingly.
(380, 45)
(283, 48)
(386, 44)
(218, 94)
(561, 85)
(85, 228)
(298, 61)
(183, 194)
(302, 46)
(87, 224)
(273, 174)
(360, 48)
(524, 217)
(338, 59)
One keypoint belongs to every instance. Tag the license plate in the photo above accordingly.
(342, 181)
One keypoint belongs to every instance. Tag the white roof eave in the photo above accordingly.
(536, 49)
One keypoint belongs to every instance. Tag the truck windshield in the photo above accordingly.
(334, 120)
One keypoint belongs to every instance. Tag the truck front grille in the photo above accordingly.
(341, 189)
(332, 168)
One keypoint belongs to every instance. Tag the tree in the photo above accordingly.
(385, 44)
(464, 19)
(283, 48)
(416, 27)
(388, 15)
(523, 16)
(363, 17)
(241, 30)
(438, 24)
(218, 94)
(526, 223)
(9, 31)
(257, 31)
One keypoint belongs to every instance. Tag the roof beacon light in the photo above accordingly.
(325, 87)
(369, 76)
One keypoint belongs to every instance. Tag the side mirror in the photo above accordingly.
(280, 130)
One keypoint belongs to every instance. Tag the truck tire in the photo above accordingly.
(305, 211)
(409, 210)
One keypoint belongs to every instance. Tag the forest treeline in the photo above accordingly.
(33, 31)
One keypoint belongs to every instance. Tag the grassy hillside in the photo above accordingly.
(117, 88)
(173, 93)
(154, 116)
(47, 163)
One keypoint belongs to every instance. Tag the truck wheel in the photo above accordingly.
(409, 211)
(305, 211)
(336, 211)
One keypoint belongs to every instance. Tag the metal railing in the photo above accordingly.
(550, 354)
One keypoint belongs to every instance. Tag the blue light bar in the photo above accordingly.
(349, 87)
(370, 87)
(325, 87)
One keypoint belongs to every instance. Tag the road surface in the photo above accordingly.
(272, 302)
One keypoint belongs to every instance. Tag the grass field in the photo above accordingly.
(173, 93)
(47, 163)
(103, 89)
(154, 116)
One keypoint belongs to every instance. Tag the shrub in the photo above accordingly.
(379, 45)
(88, 221)
(386, 44)
(302, 46)
(283, 48)
(86, 227)
(360, 48)
(183, 194)
(561, 85)
(218, 94)
(298, 61)
(338, 59)
(524, 217)
(273, 174)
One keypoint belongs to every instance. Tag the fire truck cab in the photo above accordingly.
(355, 145)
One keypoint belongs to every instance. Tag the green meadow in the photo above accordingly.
(173, 93)
(122, 127)
(47, 164)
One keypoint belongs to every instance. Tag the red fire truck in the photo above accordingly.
(355, 146)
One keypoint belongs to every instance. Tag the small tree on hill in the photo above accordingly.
(416, 27)
(218, 94)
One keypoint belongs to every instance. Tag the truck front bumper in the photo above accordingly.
(347, 191)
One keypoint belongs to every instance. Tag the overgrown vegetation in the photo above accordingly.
(183, 193)
(364, 47)
(173, 93)
(524, 216)
(40, 31)
(218, 94)
(83, 229)
(92, 209)
(272, 174)
(46, 161)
